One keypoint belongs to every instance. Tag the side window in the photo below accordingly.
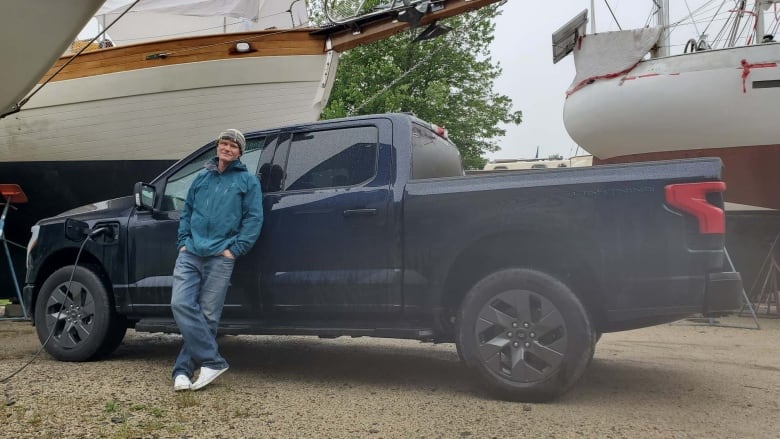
(251, 156)
(179, 183)
(332, 158)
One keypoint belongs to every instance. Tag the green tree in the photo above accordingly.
(447, 81)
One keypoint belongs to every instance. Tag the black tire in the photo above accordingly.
(596, 338)
(525, 335)
(81, 321)
(116, 333)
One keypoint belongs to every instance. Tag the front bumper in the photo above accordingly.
(723, 293)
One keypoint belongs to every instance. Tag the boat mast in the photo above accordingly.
(662, 18)
(761, 7)
(593, 16)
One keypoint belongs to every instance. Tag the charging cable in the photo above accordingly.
(90, 235)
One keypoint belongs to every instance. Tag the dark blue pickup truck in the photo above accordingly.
(372, 229)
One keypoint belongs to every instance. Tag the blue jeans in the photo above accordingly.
(199, 288)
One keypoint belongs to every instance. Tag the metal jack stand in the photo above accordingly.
(709, 321)
(12, 193)
(744, 296)
(770, 290)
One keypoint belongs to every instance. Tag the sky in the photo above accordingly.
(523, 47)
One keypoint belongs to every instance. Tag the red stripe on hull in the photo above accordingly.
(751, 173)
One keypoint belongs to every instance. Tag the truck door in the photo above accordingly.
(152, 237)
(330, 241)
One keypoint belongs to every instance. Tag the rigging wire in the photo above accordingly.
(749, 27)
(701, 11)
(395, 81)
(711, 13)
(457, 31)
(613, 14)
(703, 17)
(698, 16)
(712, 20)
(652, 12)
(691, 19)
(722, 33)
(690, 14)
(737, 19)
(776, 21)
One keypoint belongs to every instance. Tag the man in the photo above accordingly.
(220, 222)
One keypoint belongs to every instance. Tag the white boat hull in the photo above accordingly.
(687, 106)
(164, 113)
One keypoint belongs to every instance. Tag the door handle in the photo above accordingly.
(350, 213)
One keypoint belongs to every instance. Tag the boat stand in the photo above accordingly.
(12, 194)
(769, 293)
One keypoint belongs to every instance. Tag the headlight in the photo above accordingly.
(32, 243)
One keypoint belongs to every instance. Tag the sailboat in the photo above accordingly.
(709, 100)
(633, 100)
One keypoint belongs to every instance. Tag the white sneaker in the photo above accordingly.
(207, 375)
(181, 382)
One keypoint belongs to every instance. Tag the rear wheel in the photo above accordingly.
(525, 335)
(74, 319)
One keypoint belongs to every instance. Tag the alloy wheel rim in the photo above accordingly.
(70, 314)
(521, 336)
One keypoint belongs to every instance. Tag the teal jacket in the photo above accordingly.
(222, 211)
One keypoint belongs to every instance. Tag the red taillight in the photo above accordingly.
(692, 198)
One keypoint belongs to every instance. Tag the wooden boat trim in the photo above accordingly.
(187, 50)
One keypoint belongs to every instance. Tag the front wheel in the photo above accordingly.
(74, 319)
(525, 335)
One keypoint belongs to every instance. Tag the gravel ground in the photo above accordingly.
(668, 381)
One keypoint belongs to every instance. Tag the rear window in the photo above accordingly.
(433, 156)
(332, 158)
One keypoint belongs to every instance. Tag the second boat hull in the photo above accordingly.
(691, 105)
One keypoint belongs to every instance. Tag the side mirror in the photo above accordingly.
(144, 195)
(76, 230)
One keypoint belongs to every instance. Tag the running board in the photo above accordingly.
(257, 328)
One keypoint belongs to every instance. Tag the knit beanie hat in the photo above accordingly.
(234, 135)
